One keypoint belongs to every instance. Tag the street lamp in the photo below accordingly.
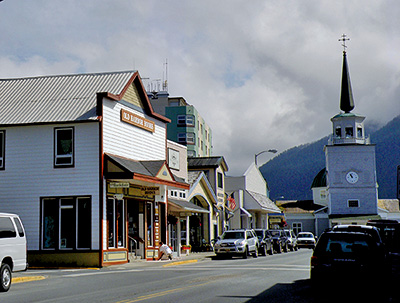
(264, 151)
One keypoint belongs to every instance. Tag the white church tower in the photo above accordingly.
(350, 159)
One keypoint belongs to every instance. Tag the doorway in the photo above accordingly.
(136, 227)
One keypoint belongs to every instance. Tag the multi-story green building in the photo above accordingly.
(187, 127)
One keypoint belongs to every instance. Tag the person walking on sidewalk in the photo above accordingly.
(164, 250)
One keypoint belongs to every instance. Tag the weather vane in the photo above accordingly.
(344, 39)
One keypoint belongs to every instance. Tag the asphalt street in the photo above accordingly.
(199, 278)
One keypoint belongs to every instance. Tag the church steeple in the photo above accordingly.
(346, 94)
(348, 128)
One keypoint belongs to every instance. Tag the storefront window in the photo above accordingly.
(111, 224)
(116, 223)
(66, 223)
(121, 222)
(84, 223)
(50, 223)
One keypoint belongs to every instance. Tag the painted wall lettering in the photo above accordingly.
(136, 120)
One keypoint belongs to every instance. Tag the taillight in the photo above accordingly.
(314, 261)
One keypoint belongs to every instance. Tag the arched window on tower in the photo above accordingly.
(349, 132)
(359, 132)
(338, 132)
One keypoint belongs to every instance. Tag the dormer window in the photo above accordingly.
(349, 132)
(338, 132)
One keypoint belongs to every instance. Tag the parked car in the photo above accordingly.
(348, 258)
(279, 240)
(370, 230)
(389, 230)
(240, 242)
(265, 241)
(292, 240)
(12, 248)
(306, 239)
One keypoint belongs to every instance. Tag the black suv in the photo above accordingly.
(265, 241)
(280, 240)
(350, 258)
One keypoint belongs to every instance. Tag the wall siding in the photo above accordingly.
(130, 141)
(30, 175)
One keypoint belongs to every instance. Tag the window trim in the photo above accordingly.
(185, 120)
(186, 138)
(72, 164)
(353, 200)
(220, 180)
(57, 227)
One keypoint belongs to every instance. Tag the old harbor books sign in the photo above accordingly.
(136, 120)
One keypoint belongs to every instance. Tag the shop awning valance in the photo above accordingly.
(184, 206)
(156, 171)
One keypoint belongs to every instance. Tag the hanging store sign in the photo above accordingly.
(119, 184)
(136, 120)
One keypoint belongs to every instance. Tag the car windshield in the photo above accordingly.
(233, 235)
(305, 236)
(275, 233)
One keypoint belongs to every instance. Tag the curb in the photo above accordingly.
(180, 262)
(27, 279)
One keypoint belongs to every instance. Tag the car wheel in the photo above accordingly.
(245, 253)
(279, 249)
(296, 248)
(264, 250)
(285, 248)
(5, 277)
(255, 253)
(271, 251)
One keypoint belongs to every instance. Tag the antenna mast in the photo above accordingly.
(165, 76)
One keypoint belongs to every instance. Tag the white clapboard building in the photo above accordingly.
(83, 162)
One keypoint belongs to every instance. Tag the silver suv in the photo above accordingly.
(240, 242)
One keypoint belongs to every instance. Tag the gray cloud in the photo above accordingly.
(263, 74)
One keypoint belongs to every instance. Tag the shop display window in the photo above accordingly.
(66, 223)
(116, 220)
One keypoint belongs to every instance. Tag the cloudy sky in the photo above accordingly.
(263, 74)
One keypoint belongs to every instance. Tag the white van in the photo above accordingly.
(12, 248)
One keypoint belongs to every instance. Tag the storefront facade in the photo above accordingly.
(136, 209)
(92, 161)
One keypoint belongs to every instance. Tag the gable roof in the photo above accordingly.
(261, 202)
(299, 206)
(207, 162)
(64, 98)
(198, 181)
